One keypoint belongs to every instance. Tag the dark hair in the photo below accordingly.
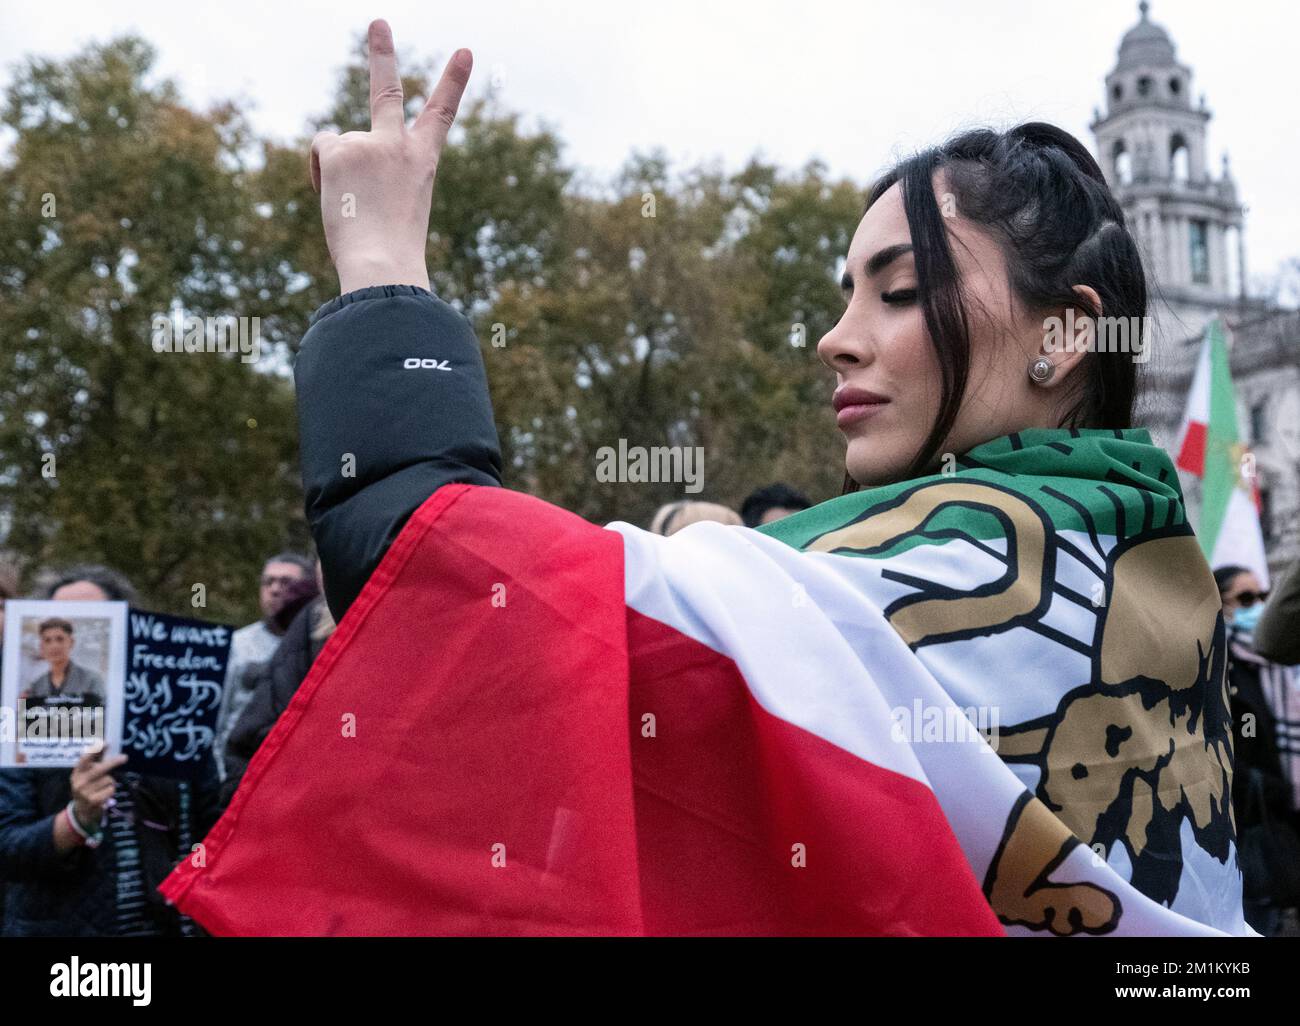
(773, 496)
(55, 623)
(1041, 195)
(297, 559)
(1223, 575)
(110, 582)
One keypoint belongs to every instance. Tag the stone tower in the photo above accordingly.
(1151, 145)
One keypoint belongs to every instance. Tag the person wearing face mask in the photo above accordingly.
(1263, 793)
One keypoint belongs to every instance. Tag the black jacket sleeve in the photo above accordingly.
(392, 404)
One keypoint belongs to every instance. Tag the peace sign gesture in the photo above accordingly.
(376, 187)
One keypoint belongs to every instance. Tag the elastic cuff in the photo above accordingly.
(90, 840)
(369, 292)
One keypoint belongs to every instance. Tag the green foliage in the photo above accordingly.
(659, 309)
(118, 205)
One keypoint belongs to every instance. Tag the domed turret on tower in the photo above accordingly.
(1146, 44)
(1151, 144)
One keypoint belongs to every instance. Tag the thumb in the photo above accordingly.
(319, 141)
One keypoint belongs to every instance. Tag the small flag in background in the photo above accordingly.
(1211, 448)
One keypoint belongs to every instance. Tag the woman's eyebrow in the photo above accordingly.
(886, 256)
(877, 263)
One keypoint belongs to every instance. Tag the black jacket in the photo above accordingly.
(392, 404)
(74, 894)
(1256, 758)
(274, 684)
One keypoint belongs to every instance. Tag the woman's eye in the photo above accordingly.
(899, 297)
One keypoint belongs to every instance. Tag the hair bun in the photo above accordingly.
(1040, 133)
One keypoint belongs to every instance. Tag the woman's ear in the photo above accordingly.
(1068, 334)
(1089, 296)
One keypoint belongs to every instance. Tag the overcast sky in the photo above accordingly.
(852, 82)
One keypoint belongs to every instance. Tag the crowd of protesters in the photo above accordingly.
(1263, 635)
(82, 852)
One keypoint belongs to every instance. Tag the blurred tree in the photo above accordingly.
(120, 205)
(684, 312)
(663, 308)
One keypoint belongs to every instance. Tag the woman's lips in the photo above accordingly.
(853, 405)
(857, 412)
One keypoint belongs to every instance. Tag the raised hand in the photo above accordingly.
(376, 187)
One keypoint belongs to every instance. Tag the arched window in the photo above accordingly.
(1175, 86)
(1122, 163)
(1117, 92)
(1179, 159)
(1144, 86)
(1258, 421)
(1198, 236)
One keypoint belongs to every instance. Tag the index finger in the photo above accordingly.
(386, 109)
(102, 769)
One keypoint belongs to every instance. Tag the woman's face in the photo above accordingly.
(887, 371)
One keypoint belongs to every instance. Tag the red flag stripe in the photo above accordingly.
(1191, 455)
(501, 778)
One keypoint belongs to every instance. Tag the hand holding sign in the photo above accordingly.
(93, 784)
(376, 187)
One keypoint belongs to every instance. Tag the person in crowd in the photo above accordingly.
(673, 516)
(8, 590)
(1277, 639)
(82, 852)
(9, 583)
(1263, 793)
(770, 503)
(64, 678)
(307, 625)
(256, 642)
(89, 583)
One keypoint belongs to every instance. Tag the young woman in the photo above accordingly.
(785, 730)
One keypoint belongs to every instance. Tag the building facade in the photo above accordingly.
(1151, 142)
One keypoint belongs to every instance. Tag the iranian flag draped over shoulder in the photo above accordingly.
(980, 702)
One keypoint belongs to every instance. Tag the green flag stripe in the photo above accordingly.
(1222, 473)
(1108, 482)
